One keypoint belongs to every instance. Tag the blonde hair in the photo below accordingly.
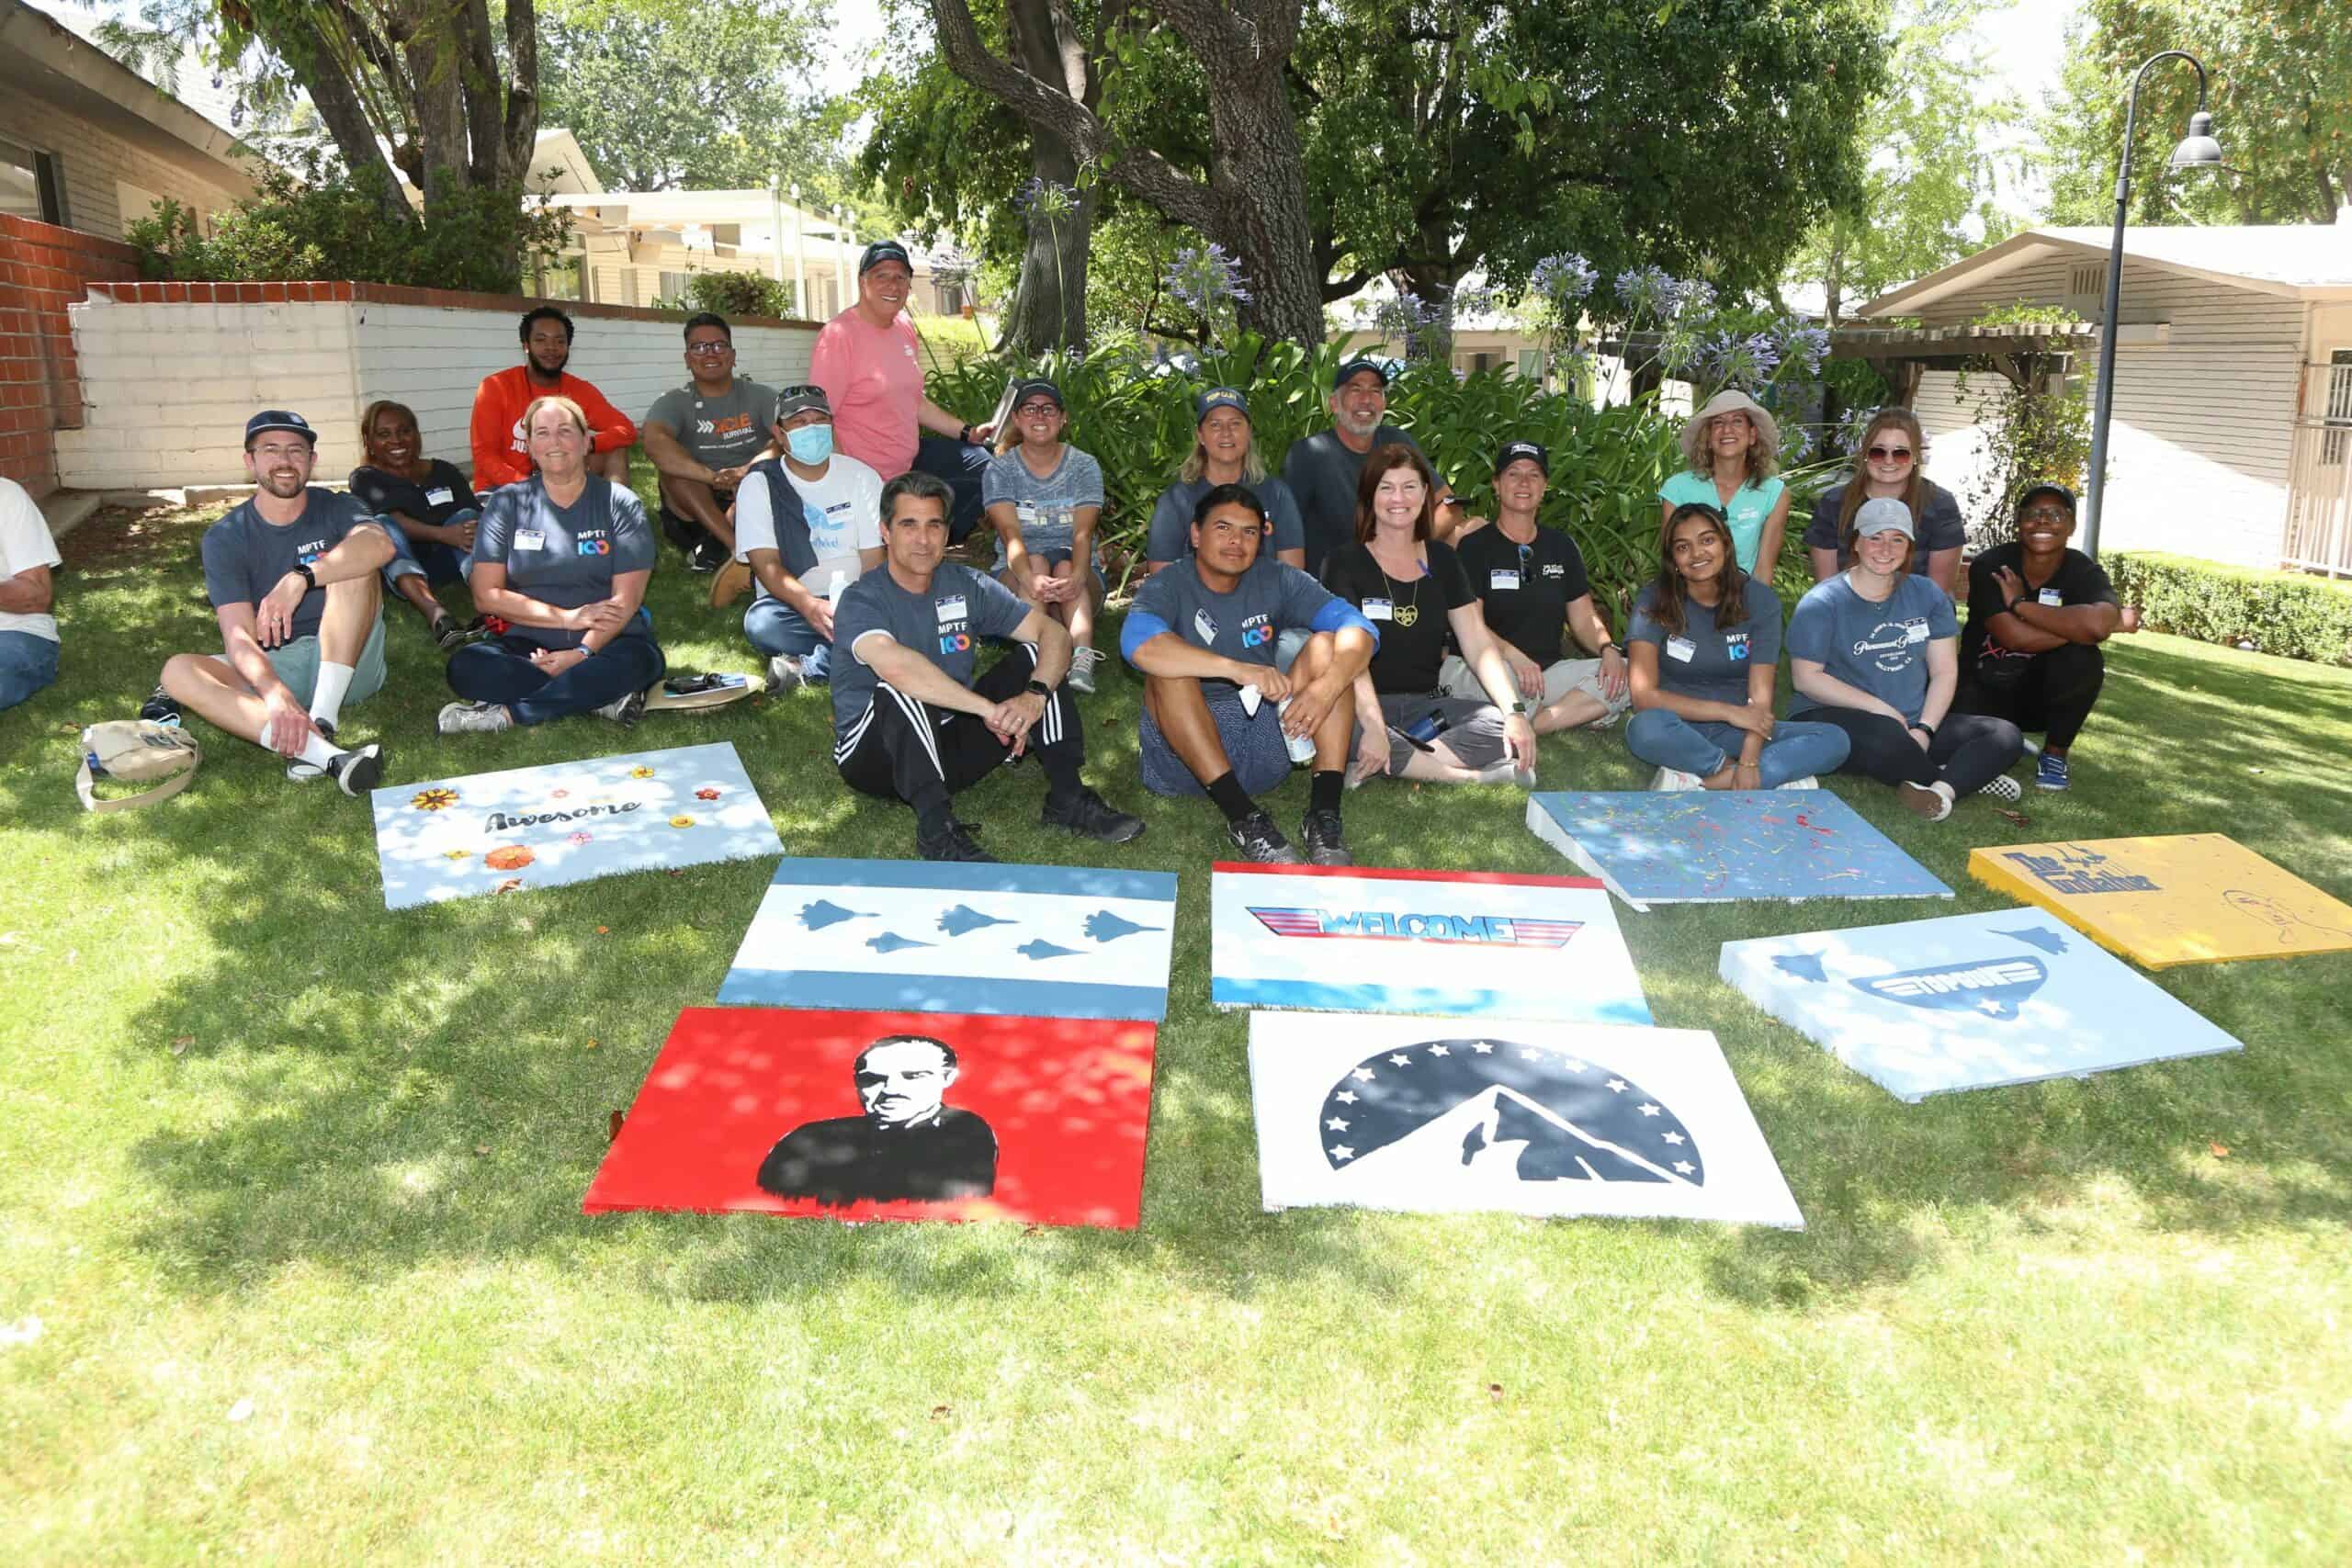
(1698, 454)
(578, 416)
(1915, 489)
(1195, 466)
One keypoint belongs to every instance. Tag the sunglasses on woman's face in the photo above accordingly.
(1890, 454)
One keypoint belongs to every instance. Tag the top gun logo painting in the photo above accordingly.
(1380, 925)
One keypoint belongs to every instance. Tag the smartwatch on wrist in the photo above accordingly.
(1038, 688)
(303, 569)
(964, 434)
(1928, 728)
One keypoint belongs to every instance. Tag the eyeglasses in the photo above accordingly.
(2046, 514)
(1890, 454)
(1038, 409)
(716, 346)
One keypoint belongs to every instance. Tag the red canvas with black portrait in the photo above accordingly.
(888, 1116)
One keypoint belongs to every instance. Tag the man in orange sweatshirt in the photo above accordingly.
(501, 455)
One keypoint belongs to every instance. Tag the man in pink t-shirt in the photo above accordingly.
(868, 361)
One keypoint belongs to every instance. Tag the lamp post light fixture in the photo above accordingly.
(2198, 150)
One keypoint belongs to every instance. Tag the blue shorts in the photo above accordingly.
(1255, 747)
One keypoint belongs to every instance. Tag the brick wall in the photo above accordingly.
(170, 371)
(43, 270)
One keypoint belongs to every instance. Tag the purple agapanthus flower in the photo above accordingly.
(1205, 280)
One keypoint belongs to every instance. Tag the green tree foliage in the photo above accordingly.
(667, 95)
(1929, 190)
(2281, 105)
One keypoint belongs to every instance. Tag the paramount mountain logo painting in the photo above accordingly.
(1542, 1117)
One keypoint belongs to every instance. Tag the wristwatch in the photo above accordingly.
(1608, 643)
(2020, 599)
(1038, 688)
(309, 576)
(964, 434)
(1922, 724)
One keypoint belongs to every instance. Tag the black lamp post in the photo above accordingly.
(2198, 150)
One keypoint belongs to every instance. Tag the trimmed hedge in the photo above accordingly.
(2287, 613)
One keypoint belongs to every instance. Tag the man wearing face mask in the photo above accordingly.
(808, 525)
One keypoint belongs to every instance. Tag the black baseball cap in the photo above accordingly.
(278, 418)
(881, 251)
(2047, 487)
(1219, 398)
(1514, 450)
(1036, 387)
(1351, 368)
(790, 400)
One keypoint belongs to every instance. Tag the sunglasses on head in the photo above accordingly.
(1890, 454)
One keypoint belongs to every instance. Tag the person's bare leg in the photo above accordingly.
(212, 690)
(1438, 765)
(413, 587)
(613, 466)
(1576, 709)
(692, 498)
(1181, 711)
(1078, 610)
(349, 616)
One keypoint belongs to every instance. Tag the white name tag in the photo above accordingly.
(1026, 511)
(1377, 610)
(1204, 626)
(1681, 648)
(530, 540)
(950, 609)
(1502, 580)
(2053, 600)
(1914, 631)
(441, 495)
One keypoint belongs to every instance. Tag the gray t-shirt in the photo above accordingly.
(1939, 522)
(1322, 474)
(1047, 507)
(1269, 598)
(1703, 661)
(563, 556)
(1880, 648)
(945, 624)
(245, 557)
(718, 433)
(1172, 517)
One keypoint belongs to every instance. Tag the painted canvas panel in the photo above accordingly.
(1528, 1116)
(2189, 898)
(1350, 939)
(566, 822)
(1968, 1001)
(888, 1116)
(1711, 846)
(1051, 941)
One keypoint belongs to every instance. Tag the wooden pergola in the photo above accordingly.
(2028, 353)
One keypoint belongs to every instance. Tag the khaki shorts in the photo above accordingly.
(297, 664)
(1456, 679)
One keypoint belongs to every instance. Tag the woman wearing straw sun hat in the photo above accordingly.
(1730, 450)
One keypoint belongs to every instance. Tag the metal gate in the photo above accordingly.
(2319, 495)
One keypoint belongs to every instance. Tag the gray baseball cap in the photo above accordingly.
(1884, 514)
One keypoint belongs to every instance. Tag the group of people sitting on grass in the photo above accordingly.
(1345, 615)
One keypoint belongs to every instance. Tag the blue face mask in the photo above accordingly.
(810, 444)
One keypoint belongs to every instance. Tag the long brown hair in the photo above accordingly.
(1670, 594)
(1915, 489)
(1395, 455)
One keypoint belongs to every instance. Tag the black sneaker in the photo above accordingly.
(159, 707)
(952, 840)
(1258, 840)
(1325, 846)
(1088, 815)
(356, 772)
(708, 555)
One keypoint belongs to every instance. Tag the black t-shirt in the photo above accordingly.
(1939, 522)
(2078, 581)
(848, 1158)
(1527, 589)
(1408, 614)
(443, 494)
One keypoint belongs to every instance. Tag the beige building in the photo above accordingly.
(87, 144)
(2232, 432)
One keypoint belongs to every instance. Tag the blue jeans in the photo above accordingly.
(1666, 739)
(960, 463)
(437, 563)
(501, 670)
(27, 663)
(775, 626)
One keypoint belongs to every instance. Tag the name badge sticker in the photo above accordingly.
(440, 495)
(2053, 600)
(949, 609)
(530, 540)
(1378, 610)
(1681, 648)
(1203, 627)
(1502, 580)
(1026, 511)
(1914, 631)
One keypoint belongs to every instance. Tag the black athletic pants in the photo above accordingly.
(903, 749)
(1967, 751)
(2053, 699)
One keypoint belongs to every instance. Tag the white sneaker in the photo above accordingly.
(624, 710)
(474, 718)
(1671, 779)
(1081, 670)
(786, 674)
(1808, 782)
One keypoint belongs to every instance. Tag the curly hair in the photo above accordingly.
(1699, 456)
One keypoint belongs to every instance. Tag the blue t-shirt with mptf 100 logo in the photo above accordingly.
(563, 556)
(245, 557)
(1881, 646)
(946, 624)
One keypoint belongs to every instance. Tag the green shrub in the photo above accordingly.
(2285, 613)
(1606, 463)
(311, 225)
(737, 294)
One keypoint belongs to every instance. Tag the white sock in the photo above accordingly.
(318, 750)
(326, 698)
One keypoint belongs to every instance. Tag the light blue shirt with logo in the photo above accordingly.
(1880, 648)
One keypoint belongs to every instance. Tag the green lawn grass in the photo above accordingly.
(292, 1187)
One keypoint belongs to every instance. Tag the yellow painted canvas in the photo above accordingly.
(2191, 898)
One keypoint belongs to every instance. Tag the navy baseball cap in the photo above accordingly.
(278, 418)
(2047, 487)
(1349, 370)
(1037, 386)
(791, 400)
(1219, 398)
(1514, 450)
(881, 251)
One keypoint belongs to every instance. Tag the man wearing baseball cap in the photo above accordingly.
(806, 524)
(1224, 452)
(292, 577)
(1321, 469)
(1531, 582)
(869, 361)
(2037, 615)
